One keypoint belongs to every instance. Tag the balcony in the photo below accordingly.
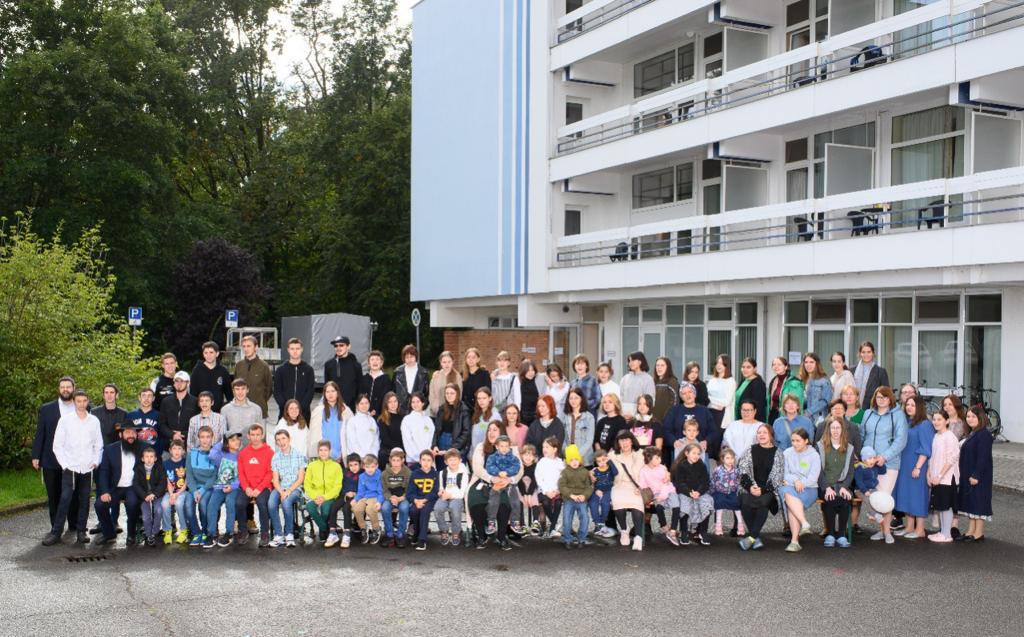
(592, 15)
(874, 46)
(984, 198)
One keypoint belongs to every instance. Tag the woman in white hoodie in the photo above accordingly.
(417, 431)
(360, 435)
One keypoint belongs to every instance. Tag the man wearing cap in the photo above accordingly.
(176, 411)
(256, 374)
(209, 375)
(114, 485)
(42, 446)
(295, 379)
(345, 370)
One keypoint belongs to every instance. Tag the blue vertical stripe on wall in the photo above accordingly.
(515, 103)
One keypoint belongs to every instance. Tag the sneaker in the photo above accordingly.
(150, 540)
(265, 540)
(375, 537)
(746, 543)
(131, 540)
(51, 539)
(672, 537)
(624, 538)
(456, 539)
(444, 539)
(81, 537)
(703, 541)
(168, 537)
(638, 543)
(535, 528)
(889, 539)
(878, 535)
(421, 546)
(518, 528)
(289, 541)
(346, 541)
(794, 547)
(843, 543)
(492, 527)
(555, 534)
(909, 536)
(900, 532)
(481, 543)
(208, 542)
(103, 540)
(805, 528)
(939, 537)
(684, 539)
(366, 536)
(897, 524)
(608, 532)
(400, 542)
(224, 540)
(277, 541)
(505, 546)
(332, 539)
(182, 537)
(241, 538)
(757, 545)
(830, 541)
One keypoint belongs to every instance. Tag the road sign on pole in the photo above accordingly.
(231, 318)
(415, 318)
(135, 316)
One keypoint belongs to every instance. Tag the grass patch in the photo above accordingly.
(19, 486)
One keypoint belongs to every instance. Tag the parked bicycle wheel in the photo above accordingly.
(995, 423)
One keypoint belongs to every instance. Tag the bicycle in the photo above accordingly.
(933, 404)
(977, 399)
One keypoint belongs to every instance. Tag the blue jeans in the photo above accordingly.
(185, 505)
(570, 507)
(403, 517)
(288, 504)
(600, 507)
(217, 498)
(204, 507)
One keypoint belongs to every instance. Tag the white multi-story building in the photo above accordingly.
(751, 177)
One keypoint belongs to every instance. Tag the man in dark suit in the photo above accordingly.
(176, 411)
(868, 375)
(114, 485)
(42, 448)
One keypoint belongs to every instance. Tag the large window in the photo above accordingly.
(662, 71)
(663, 186)
(928, 145)
(983, 342)
(849, 167)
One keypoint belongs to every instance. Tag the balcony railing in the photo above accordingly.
(995, 196)
(792, 71)
(607, 13)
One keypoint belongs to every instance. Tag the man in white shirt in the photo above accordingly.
(77, 446)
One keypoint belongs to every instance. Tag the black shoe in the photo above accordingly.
(400, 542)
(104, 540)
(684, 539)
(505, 545)
(51, 539)
(421, 546)
(150, 540)
(954, 533)
(131, 540)
(897, 524)
(224, 540)
(96, 530)
(703, 541)
(732, 533)
(481, 543)
(975, 540)
(388, 542)
(323, 536)
(82, 538)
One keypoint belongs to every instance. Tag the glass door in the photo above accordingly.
(651, 346)
(564, 346)
(938, 359)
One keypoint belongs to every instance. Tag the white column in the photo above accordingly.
(1011, 403)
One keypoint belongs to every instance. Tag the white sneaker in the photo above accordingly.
(902, 532)
(624, 538)
(289, 540)
(346, 540)
(555, 534)
(277, 541)
(332, 540)
(608, 532)
(889, 539)
(638, 543)
(878, 536)
(805, 528)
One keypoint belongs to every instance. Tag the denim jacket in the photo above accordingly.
(817, 398)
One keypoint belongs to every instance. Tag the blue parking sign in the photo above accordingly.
(231, 318)
(135, 316)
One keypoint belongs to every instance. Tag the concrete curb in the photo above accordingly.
(23, 507)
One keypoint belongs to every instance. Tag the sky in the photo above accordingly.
(294, 49)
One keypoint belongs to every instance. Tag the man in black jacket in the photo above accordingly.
(176, 411)
(42, 448)
(345, 370)
(295, 379)
(109, 414)
(163, 385)
(209, 375)
(114, 485)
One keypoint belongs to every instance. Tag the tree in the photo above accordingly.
(55, 320)
(214, 277)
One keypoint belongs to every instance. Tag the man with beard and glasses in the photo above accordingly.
(77, 446)
(42, 446)
(114, 485)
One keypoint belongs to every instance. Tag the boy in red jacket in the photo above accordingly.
(255, 477)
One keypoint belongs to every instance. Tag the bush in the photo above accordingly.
(56, 319)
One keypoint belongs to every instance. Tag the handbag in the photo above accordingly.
(645, 493)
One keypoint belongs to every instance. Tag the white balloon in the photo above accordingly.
(882, 502)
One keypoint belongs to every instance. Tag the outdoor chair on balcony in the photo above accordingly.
(868, 56)
(621, 252)
(804, 229)
(934, 213)
(863, 222)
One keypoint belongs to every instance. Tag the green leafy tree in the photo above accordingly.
(56, 320)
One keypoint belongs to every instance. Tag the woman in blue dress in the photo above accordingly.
(911, 492)
(975, 499)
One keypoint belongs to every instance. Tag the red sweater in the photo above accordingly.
(254, 470)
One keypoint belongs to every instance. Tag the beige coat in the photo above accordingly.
(624, 493)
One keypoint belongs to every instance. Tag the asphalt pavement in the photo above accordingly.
(912, 587)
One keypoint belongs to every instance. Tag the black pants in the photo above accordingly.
(552, 509)
(755, 517)
(52, 479)
(243, 510)
(638, 520)
(836, 514)
(478, 514)
(343, 504)
(74, 490)
(714, 439)
(108, 512)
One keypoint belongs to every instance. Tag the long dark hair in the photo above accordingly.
(477, 412)
(639, 356)
(450, 409)
(920, 410)
(669, 374)
(300, 421)
(385, 415)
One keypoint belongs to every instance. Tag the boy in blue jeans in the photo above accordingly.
(178, 497)
(422, 495)
(603, 474)
(200, 475)
(574, 485)
(224, 489)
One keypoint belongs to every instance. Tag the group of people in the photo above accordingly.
(519, 451)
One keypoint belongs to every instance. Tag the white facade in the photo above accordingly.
(754, 177)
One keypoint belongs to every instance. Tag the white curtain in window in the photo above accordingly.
(796, 184)
(746, 343)
(826, 342)
(896, 353)
(694, 344)
(982, 367)
(936, 358)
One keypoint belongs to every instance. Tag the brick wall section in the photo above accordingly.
(490, 342)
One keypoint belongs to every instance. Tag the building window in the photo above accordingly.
(983, 336)
(928, 145)
(662, 71)
(573, 112)
(663, 186)
(572, 222)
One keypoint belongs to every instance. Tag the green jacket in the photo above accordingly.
(323, 479)
(395, 483)
(575, 482)
(791, 386)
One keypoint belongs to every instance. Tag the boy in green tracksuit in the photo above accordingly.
(322, 486)
(575, 486)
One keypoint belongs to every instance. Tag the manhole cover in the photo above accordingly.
(89, 557)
